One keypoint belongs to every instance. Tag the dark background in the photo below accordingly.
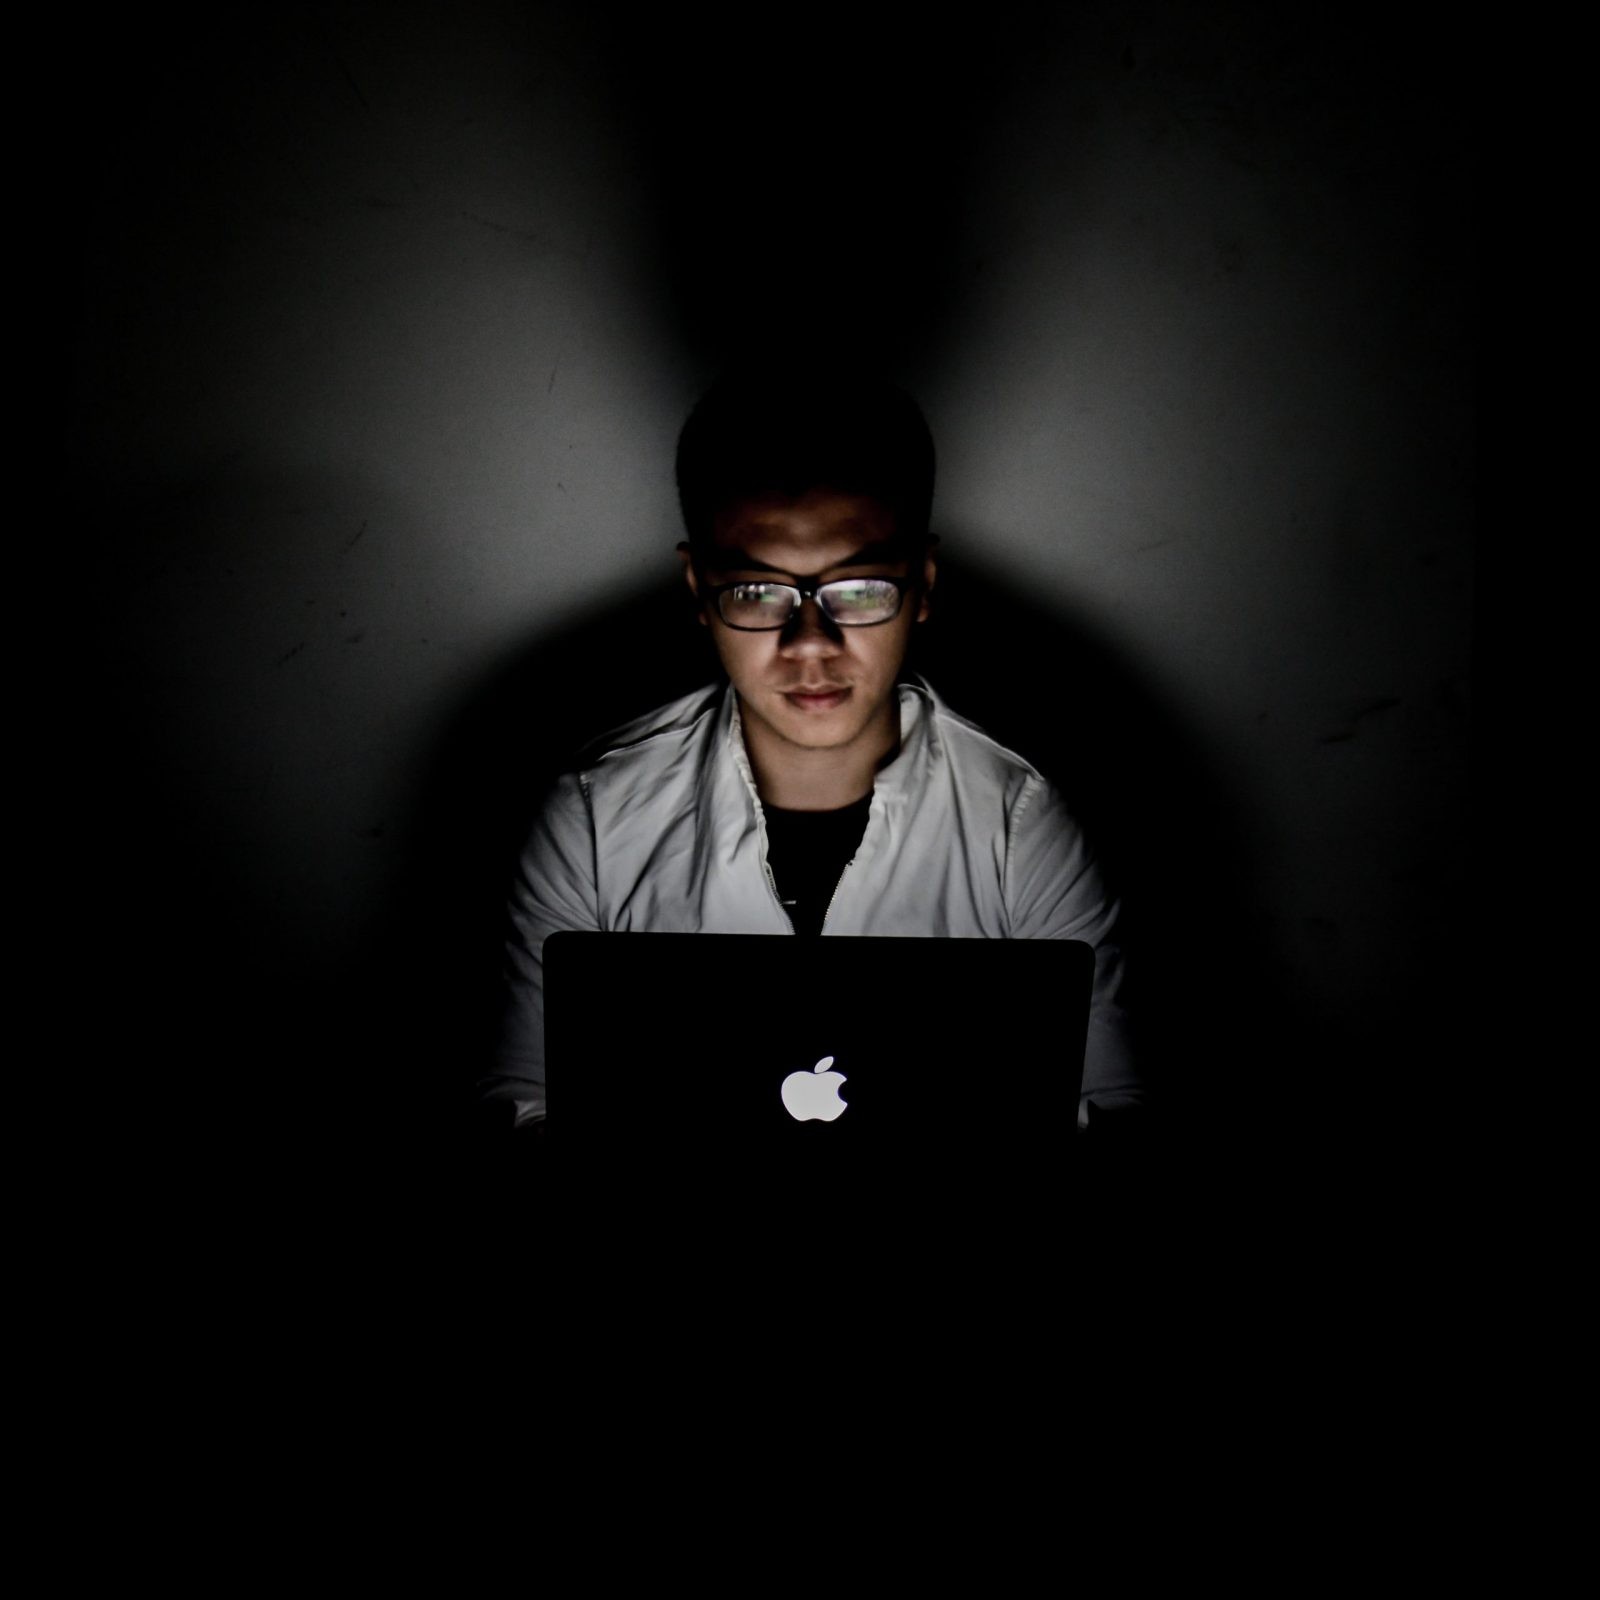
(381, 325)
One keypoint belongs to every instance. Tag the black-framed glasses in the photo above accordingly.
(757, 606)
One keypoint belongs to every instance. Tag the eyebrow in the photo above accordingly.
(881, 553)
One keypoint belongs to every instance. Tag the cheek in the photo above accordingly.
(889, 651)
(741, 653)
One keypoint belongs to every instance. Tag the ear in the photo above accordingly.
(929, 572)
(686, 556)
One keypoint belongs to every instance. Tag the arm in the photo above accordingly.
(1055, 890)
(554, 888)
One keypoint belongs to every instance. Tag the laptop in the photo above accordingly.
(753, 1077)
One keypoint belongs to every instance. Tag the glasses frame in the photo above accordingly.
(808, 589)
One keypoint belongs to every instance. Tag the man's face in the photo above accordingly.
(813, 684)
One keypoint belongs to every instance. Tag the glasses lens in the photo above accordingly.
(860, 601)
(756, 605)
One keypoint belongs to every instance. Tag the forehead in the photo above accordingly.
(806, 535)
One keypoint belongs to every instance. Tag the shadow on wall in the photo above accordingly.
(1038, 680)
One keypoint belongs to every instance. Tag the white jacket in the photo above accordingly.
(661, 830)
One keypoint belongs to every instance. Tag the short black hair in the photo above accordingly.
(756, 434)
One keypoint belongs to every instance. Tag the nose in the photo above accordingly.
(809, 633)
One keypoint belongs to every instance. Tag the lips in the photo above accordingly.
(818, 697)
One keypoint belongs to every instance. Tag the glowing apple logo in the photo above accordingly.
(814, 1096)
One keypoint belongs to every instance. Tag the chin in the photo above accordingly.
(817, 739)
(815, 732)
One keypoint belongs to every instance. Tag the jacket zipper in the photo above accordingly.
(834, 896)
(766, 867)
(846, 872)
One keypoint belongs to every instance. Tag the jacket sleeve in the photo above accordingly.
(554, 889)
(1055, 890)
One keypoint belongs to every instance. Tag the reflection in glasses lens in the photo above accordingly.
(850, 602)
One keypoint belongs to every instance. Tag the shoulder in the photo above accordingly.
(655, 767)
(973, 755)
(1052, 884)
(988, 779)
(656, 736)
(625, 786)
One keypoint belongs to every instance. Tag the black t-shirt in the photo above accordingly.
(808, 852)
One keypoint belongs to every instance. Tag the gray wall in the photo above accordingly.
(386, 322)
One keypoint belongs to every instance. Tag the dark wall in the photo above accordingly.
(384, 320)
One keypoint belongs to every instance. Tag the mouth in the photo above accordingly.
(825, 697)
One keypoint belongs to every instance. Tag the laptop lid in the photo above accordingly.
(781, 1063)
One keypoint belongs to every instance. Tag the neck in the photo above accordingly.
(796, 778)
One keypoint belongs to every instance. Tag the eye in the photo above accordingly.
(756, 604)
(862, 599)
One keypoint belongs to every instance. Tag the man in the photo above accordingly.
(821, 790)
